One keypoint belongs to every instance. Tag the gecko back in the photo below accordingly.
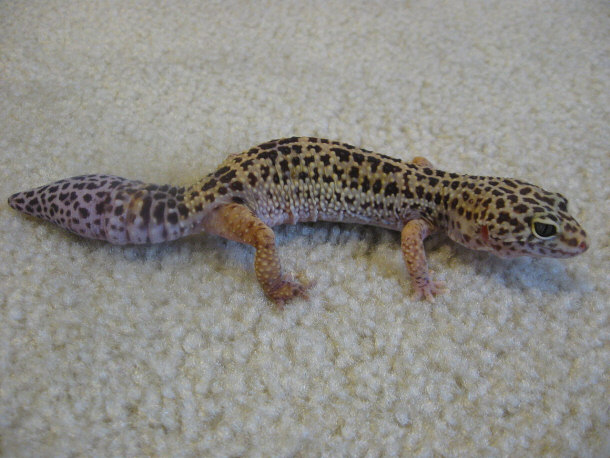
(109, 208)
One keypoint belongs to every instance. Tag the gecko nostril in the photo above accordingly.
(583, 246)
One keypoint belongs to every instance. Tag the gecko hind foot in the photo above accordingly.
(288, 289)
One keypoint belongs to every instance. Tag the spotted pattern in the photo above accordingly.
(301, 179)
(110, 208)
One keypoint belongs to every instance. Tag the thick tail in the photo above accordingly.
(110, 208)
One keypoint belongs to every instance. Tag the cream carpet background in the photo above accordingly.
(172, 350)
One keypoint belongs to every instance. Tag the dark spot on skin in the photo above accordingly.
(391, 189)
(145, 210)
(99, 208)
(309, 160)
(377, 186)
(297, 149)
(237, 186)
(284, 167)
(222, 191)
(264, 172)
(408, 193)
(247, 164)
(525, 191)
(374, 163)
(209, 185)
(342, 154)
(272, 155)
(365, 185)
(325, 159)
(173, 218)
(358, 158)
(455, 184)
(268, 145)
(390, 168)
(337, 171)
(228, 177)
(354, 172)
(183, 210)
(252, 179)
(159, 212)
(285, 141)
(433, 181)
(419, 190)
(521, 208)
(296, 161)
(545, 199)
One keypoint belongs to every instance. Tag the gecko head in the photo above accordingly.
(511, 218)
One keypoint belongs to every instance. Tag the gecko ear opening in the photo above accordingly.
(485, 233)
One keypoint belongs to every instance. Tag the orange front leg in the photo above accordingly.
(237, 222)
(412, 245)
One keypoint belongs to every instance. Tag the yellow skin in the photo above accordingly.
(309, 179)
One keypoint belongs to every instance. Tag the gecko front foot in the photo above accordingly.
(428, 289)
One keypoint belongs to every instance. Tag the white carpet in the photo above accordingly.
(172, 350)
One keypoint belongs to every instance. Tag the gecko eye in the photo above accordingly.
(544, 229)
